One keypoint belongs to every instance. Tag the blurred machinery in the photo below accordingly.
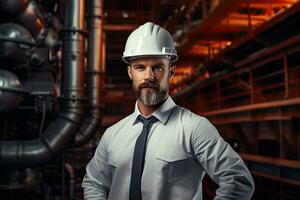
(49, 93)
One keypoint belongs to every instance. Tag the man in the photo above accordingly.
(161, 151)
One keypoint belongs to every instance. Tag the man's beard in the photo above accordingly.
(149, 93)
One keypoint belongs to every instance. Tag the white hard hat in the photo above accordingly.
(149, 40)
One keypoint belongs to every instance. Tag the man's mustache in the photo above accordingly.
(148, 85)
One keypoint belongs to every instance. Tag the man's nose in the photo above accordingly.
(149, 73)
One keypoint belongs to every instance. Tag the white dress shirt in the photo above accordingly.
(181, 148)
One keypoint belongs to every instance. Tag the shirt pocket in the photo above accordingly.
(170, 165)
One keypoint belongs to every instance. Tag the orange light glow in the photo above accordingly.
(182, 74)
(205, 48)
(244, 16)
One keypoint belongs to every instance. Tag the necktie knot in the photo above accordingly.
(147, 122)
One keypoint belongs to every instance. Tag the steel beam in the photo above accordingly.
(117, 27)
(280, 162)
(289, 102)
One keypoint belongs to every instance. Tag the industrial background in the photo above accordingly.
(62, 83)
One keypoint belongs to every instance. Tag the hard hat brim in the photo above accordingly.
(128, 59)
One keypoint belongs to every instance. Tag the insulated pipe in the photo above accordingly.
(61, 131)
(93, 73)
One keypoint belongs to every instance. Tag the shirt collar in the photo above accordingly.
(162, 113)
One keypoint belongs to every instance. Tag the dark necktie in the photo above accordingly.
(138, 158)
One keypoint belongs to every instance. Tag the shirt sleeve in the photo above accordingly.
(97, 180)
(222, 163)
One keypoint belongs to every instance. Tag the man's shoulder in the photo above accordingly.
(112, 130)
(192, 121)
(188, 116)
(120, 123)
(199, 125)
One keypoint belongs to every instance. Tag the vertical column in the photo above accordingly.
(286, 76)
(218, 95)
(204, 9)
(103, 66)
(249, 17)
(251, 86)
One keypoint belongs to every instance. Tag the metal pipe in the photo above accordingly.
(61, 131)
(63, 178)
(32, 19)
(103, 67)
(71, 171)
(93, 73)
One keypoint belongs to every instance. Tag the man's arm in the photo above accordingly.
(222, 163)
(97, 180)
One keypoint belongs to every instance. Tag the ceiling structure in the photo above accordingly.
(202, 29)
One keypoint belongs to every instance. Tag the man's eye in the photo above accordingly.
(139, 68)
(158, 68)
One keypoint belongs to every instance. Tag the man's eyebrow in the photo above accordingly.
(159, 64)
(154, 65)
(138, 65)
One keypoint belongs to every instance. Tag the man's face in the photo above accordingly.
(150, 79)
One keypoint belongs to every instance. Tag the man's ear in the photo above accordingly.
(129, 72)
(172, 71)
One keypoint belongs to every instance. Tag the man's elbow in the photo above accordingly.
(243, 187)
(92, 189)
(247, 187)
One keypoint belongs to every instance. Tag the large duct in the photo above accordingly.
(32, 19)
(61, 131)
(93, 73)
(13, 7)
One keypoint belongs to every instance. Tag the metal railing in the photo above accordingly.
(259, 83)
